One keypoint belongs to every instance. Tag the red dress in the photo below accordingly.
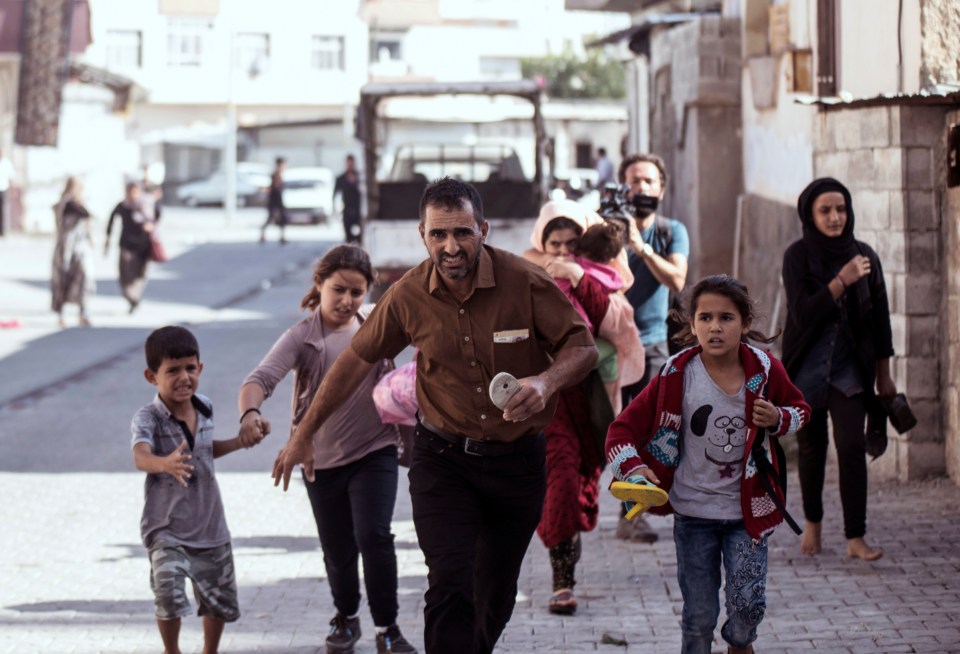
(574, 462)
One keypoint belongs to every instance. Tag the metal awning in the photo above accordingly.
(637, 35)
(377, 90)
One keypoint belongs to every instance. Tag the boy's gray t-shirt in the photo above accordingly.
(192, 515)
(714, 432)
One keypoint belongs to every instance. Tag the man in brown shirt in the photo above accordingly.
(478, 474)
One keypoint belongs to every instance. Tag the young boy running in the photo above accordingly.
(183, 525)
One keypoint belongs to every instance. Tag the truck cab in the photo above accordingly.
(488, 134)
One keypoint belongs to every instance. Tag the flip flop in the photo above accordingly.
(503, 387)
(643, 495)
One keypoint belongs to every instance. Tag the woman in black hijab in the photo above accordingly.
(837, 345)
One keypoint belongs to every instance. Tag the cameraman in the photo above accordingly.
(657, 255)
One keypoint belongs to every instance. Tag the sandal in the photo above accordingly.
(562, 602)
(640, 495)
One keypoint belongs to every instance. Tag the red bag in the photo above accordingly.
(157, 253)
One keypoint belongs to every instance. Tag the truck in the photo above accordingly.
(490, 134)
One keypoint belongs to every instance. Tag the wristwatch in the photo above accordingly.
(646, 251)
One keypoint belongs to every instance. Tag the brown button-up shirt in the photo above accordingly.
(514, 320)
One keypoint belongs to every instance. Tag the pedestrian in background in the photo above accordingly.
(138, 221)
(348, 187)
(183, 524)
(276, 210)
(837, 346)
(657, 253)
(354, 483)
(604, 169)
(72, 274)
(692, 431)
(477, 477)
(7, 174)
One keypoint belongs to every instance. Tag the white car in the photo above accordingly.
(308, 194)
(252, 187)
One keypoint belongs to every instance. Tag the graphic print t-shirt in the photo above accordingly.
(714, 433)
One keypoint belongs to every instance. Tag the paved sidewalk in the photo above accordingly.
(74, 577)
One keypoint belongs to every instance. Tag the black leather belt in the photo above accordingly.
(480, 447)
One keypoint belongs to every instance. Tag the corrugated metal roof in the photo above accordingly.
(940, 95)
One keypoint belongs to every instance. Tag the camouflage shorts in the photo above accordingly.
(210, 570)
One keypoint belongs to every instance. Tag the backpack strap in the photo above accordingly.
(663, 233)
(767, 476)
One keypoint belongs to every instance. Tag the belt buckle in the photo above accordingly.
(469, 444)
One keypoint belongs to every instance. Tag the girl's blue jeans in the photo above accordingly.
(702, 546)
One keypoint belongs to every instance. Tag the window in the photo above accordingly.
(185, 41)
(826, 48)
(124, 49)
(252, 51)
(386, 47)
(326, 53)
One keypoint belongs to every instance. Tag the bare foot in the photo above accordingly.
(810, 542)
(857, 548)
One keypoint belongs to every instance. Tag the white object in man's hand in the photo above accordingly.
(503, 387)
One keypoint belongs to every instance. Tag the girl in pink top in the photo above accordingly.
(355, 455)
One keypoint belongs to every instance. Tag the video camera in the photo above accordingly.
(615, 204)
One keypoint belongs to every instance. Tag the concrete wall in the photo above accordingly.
(767, 227)
(950, 350)
(696, 126)
(868, 53)
(890, 158)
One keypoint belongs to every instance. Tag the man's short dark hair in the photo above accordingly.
(280, 160)
(602, 152)
(449, 193)
(629, 160)
(171, 342)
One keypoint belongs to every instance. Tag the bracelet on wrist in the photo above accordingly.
(244, 414)
(840, 281)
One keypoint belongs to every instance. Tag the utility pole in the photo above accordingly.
(230, 142)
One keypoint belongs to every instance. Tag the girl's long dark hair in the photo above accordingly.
(348, 256)
(728, 287)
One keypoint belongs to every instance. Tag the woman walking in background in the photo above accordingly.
(72, 276)
(138, 221)
(837, 345)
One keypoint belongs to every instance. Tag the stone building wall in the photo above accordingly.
(950, 351)
(889, 158)
(940, 42)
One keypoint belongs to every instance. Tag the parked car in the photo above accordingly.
(308, 194)
(253, 182)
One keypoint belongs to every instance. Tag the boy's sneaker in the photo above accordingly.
(344, 633)
(392, 642)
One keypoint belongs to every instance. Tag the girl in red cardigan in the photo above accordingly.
(691, 431)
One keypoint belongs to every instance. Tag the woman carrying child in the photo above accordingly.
(574, 460)
(692, 431)
(355, 482)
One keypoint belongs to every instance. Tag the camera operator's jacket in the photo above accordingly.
(647, 432)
